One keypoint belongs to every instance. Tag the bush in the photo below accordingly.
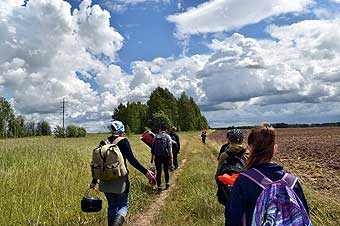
(158, 118)
(59, 131)
(81, 132)
(71, 131)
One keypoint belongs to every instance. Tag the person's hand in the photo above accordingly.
(92, 186)
(150, 175)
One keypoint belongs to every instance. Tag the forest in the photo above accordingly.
(162, 106)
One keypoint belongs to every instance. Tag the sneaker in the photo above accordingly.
(159, 189)
(167, 186)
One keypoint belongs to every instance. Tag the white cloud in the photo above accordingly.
(246, 79)
(224, 15)
(120, 6)
(43, 45)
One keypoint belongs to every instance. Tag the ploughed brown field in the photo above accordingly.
(313, 154)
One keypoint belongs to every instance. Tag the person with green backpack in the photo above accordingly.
(109, 167)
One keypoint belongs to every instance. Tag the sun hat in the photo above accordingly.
(116, 126)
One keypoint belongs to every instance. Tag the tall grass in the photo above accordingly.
(43, 180)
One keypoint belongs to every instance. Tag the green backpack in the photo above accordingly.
(107, 161)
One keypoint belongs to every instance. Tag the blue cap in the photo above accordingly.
(116, 126)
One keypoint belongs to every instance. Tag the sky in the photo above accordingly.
(244, 62)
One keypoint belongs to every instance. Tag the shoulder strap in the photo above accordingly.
(260, 179)
(290, 180)
(257, 177)
(116, 141)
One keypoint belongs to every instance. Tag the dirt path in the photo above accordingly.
(146, 217)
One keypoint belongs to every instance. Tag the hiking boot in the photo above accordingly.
(159, 189)
(167, 186)
(118, 221)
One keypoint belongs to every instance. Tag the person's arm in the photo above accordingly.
(169, 144)
(178, 143)
(223, 157)
(124, 146)
(235, 207)
(299, 192)
(223, 147)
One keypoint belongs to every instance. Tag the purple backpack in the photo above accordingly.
(277, 204)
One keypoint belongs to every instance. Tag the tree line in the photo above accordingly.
(162, 106)
(285, 125)
(16, 126)
(13, 126)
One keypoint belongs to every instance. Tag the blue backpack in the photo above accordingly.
(277, 204)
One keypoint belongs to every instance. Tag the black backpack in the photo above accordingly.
(233, 164)
(159, 146)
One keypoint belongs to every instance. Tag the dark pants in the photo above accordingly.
(159, 161)
(175, 153)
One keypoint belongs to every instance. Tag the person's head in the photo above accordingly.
(235, 136)
(173, 129)
(163, 126)
(261, 144)
(116, 127)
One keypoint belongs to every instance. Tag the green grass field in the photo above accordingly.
(44, 179)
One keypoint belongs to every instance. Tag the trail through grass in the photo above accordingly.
(193, 201)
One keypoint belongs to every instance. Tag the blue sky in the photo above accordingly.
(244, 62)
(148, 34)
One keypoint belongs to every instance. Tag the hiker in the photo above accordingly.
(117, 190)
(203, 136)
(265, 181)
(176, 146)
(231, 161)
(161, 153)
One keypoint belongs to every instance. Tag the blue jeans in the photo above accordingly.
(117, 204)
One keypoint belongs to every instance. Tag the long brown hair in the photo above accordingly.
(262, 141)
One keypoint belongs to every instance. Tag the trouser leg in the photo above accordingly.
(158, 164)
(118, 205)
(166, 170)
(175, 160)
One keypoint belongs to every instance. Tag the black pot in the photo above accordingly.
(90, 204)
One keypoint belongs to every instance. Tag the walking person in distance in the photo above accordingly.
(176, 145)
(161, 152)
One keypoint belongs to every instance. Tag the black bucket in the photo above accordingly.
(90, 204)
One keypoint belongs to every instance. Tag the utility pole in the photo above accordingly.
(64, 113)
(63, 108)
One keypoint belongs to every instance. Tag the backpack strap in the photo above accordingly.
(116, 141)
(260, 179)
(290, 180)
(257, 177)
